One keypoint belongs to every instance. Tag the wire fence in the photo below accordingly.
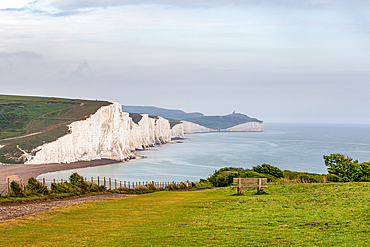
(108, 183)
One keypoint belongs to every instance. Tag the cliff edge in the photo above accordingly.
(110, 133)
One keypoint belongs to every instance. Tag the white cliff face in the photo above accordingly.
(191, 128)
(148, 132)
(177, 131)
(162, 130)
(109, 133)
(250, 126)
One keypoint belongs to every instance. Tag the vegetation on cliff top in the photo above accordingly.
(39, 120)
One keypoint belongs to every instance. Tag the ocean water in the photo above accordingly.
(295, 147)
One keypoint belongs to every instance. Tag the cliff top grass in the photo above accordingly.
(31, 121)
(330, 214)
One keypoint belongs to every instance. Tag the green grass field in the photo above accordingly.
(331, 214)
(23, 115)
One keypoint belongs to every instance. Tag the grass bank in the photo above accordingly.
(330, 214)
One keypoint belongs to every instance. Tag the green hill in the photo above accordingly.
(30, 121)
(165, 113)
(174, 116)
(223, 122)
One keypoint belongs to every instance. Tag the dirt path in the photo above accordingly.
(11, 211)
(18, 137)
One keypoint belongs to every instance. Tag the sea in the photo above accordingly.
(295, 147)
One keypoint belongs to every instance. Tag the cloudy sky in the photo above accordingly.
(304, 61)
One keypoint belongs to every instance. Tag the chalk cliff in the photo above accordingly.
(109, 133)
(250, 126)
(177, 131)
(191, 128)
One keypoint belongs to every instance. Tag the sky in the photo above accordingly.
(281, 61)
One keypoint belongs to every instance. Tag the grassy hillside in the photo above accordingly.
(213, 122)
(331, 214)
(31, 121)
(165, 113)
(222, 122)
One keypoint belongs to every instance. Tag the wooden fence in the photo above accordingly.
(109, 183)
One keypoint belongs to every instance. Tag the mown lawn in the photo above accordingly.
(332, 214)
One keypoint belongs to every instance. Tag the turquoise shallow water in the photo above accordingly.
(296, 147)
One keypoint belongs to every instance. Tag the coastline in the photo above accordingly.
(26, 171)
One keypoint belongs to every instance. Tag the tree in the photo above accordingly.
(343, 166)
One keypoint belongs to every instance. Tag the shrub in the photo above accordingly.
(346, 168)
(304, 177)
(34, 187)
(253, 174)
(76, 186)
(224, 176)
(333, 178)
(16, 189)
(268, 169)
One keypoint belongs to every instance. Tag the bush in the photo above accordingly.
(346, 168)
(16, 189)
(268, 169)
(34, 187)
(333, 178)
(224, 176)
(304, 177)
(76, 186)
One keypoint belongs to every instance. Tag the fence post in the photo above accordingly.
(98, 181)
(54, 180)
(61, 180)
(110, 184)
(92, 180)
(8, 186)
(124, 184)
(105, 183)
(115, 184)
(43, 181)
(120, 184)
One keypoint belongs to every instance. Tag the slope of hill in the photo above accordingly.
(31, 121)
(165, 113)
(223, 122)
